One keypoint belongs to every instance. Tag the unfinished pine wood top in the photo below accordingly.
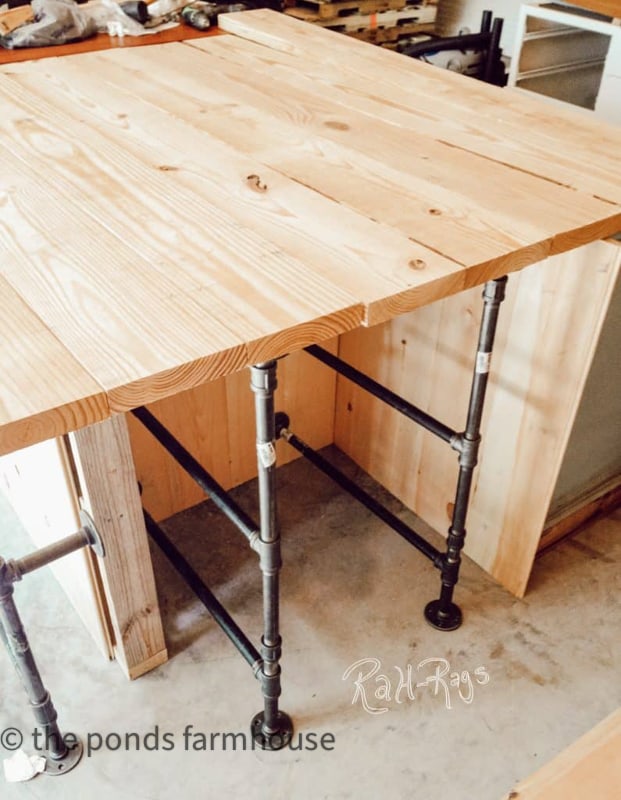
(170, 214)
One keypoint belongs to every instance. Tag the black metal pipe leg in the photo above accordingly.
(60, 758)
(271, 728)
(62, 753)
(443, 613)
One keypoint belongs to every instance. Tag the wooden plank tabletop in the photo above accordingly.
(34, 404)
(173, 213)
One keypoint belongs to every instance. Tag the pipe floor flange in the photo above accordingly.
(60, 766)
(443, 620)
(277, 740)
(96, 542)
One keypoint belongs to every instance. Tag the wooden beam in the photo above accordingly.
(109, 489)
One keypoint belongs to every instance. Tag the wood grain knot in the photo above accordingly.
(167, 168)
(417, 263)
(255, 183)
(337, 126)
(435, 212)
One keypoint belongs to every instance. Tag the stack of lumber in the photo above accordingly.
(377, 21)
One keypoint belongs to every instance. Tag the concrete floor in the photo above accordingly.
(530, 676)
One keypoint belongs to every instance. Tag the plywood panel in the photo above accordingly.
(547, 332)
(593, 456)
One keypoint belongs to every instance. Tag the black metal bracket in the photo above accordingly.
(442, 613)
(61, 756)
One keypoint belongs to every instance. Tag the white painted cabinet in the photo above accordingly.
(570, 55)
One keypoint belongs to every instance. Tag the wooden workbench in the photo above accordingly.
(170, 215)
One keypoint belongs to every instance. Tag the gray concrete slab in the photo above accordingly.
(499, 697)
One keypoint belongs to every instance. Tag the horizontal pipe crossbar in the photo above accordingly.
(220, 497)
(356, 491)
(386, 395)
(52, 552)
(204, 594)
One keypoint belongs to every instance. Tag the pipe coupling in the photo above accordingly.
(270, 558)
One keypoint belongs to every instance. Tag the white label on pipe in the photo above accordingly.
(266, 453)
(483, 361)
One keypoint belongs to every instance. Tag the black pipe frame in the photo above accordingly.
(356, 491)
(386, 395)
(271, 728)
(204, 594)
(220, 497)
(61, 757)
(442, 613)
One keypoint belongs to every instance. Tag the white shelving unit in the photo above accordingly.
(570, 55)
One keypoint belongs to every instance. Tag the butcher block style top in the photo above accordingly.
(173, 213)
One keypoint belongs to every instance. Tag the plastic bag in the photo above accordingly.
(56, 22)
(109, 17)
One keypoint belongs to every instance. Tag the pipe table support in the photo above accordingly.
(442, 613)
(271, 728)
(61, 756)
